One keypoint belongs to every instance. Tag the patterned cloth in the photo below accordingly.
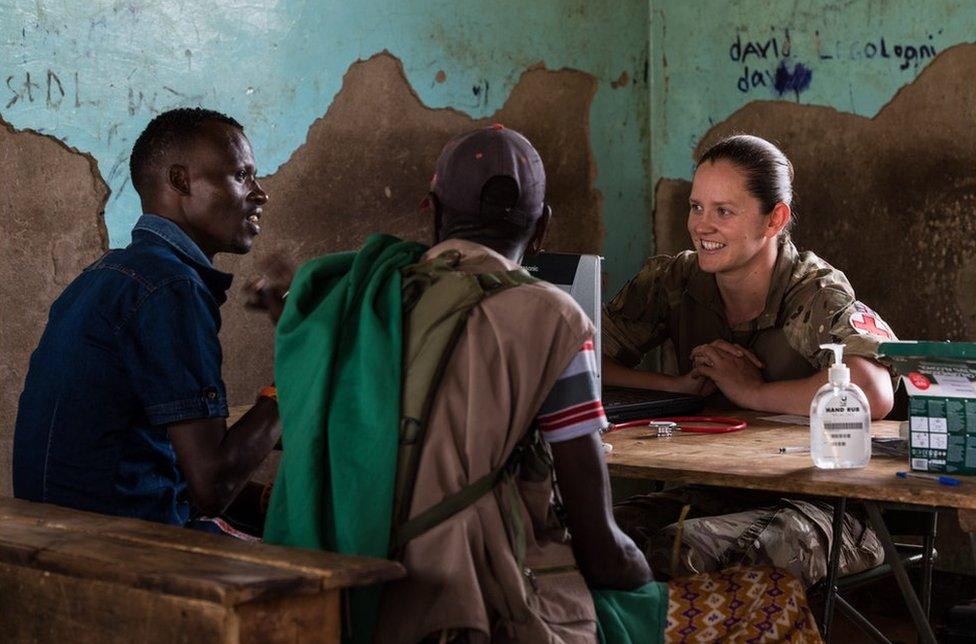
(755, 604)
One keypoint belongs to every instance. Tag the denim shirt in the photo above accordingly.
(130, 347)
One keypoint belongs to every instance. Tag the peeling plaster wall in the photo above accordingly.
(873, 103)
(51, 201)
(317, 209)
(891, 200)
(92, 74)
(709, 58)
(572, 75)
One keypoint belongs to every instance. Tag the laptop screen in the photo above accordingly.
(578, 275)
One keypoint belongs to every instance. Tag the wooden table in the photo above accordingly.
(71, 576)
(751, 459)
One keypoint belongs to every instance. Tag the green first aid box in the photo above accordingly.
(940, 378)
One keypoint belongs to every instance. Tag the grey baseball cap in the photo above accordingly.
(469, 160)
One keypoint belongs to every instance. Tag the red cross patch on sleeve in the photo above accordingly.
(866, 322)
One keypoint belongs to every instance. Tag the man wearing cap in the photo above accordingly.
(526, 358)
(503, 567)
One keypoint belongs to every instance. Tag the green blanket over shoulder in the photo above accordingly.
(338, 366)
(338, 369)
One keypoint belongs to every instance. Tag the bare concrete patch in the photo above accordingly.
(966, 283)
(367, 164)
(53, 200)
(670, 210)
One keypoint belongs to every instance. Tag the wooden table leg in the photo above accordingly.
(893, 559)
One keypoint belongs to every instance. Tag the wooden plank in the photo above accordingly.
(49, 607)
(186, 574)
(331, 570)
(750, 459)
(309, 618)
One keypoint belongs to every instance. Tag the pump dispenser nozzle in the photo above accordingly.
(839, 375)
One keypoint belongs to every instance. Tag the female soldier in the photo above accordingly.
(746, 313)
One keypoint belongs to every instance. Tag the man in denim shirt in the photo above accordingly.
(124, 408)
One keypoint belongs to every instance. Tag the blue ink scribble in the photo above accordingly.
(792, 81)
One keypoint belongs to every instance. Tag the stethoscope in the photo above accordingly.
(693, 424)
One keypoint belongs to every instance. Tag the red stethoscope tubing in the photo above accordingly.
(716, 424)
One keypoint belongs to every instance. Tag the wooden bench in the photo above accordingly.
(71, 576)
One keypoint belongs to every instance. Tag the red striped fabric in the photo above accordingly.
(587, 411)
(573, 405)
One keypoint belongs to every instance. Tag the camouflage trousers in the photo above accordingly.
(691, 530)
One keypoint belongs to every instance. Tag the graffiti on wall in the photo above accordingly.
(772, 64)
(50, 88)
(903, 55)
(60, 89)
(55, 89)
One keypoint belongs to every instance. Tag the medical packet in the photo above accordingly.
(940, 378)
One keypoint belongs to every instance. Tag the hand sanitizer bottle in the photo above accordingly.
(840, 419)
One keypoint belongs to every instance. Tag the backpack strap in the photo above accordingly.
(437, 301)
(454, 503)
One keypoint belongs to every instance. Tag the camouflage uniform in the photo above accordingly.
(809, 303)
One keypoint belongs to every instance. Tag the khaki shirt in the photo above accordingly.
(502, 568)
(809, 303)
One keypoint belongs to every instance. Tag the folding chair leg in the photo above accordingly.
(861, 621)
(928, 562)
(833, 563)
(922, 626)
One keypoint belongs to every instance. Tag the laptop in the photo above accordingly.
(580, 276)
(622, 404)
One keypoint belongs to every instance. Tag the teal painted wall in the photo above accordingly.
(92, 74)
(710, 57)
